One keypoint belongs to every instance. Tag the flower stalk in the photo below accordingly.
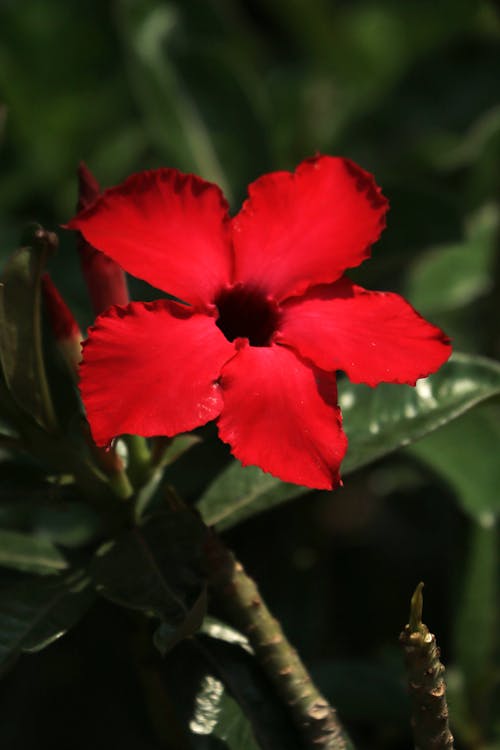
(427, 687)
(312, 714)
(139, 459)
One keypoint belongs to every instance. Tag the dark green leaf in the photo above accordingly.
(29, 553)
(21, 354)
(156, 568)
(224, 699)
(377, 421)
(36, 611)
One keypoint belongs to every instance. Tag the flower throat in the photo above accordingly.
(247, 313)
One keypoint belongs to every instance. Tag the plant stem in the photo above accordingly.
(139, 459)
(430, 725)
(120, 484)
(314, 717)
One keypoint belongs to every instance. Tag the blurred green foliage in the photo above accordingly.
(230, 89)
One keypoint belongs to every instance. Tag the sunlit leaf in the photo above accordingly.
(222, 631)
(156, 568)
(216, 714)
(377, 421)
(36, 611)
(364, 690)
(380, 420)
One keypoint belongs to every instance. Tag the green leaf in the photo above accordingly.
(156, 568)
(380, 420)
(35, 611)
(220, 693)
(476, 621)
(451, 276)
(29, 553)
(377, 421)
(238, 493)
(21, 355)
(177, 447)
(463, 454)
(216, 714)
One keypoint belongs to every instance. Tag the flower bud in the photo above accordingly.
(105, 279)
(64, 326)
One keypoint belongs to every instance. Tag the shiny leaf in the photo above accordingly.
(377, 421)
(216, 714)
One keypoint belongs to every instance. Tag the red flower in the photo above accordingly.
(268, 315)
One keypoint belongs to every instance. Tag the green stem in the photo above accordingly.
(314, 717)
(120, 484)
(427, 687)
(139, 459)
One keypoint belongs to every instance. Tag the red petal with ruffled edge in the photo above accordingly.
(375, 337)
(297, 230)
(282, 415)
(170, 229)
(151, 369)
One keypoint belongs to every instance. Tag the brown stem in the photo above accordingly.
(314, 717)
(430, 725)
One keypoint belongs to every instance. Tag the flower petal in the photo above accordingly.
(165, 227)
(297, 230)
(282, 415)
(151, 369)
(375, 337)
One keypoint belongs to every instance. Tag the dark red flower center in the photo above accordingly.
(247, 313)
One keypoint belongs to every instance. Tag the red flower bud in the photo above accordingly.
(64, 327)
(104, 278)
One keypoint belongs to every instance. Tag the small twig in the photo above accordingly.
(312, 714)
(427, 687)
